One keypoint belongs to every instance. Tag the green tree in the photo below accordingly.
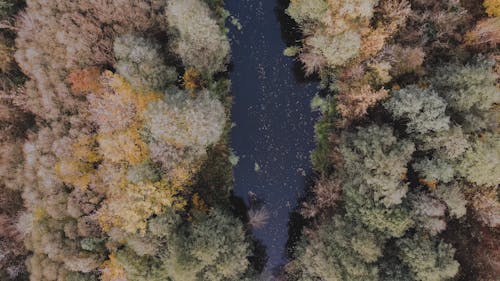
(139, 60)
(391, 221)
(212, 248)
(480, 164)
(197, 32)
(304, 11)
(429, 259)
(423, 109)
(375, 163)
(470, 91)
(338, 250)
(434, 170)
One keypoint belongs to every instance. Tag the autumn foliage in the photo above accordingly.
(107, 164)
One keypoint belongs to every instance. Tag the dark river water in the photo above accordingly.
(274, 123)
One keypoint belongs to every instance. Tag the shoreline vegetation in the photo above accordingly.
(408, 147)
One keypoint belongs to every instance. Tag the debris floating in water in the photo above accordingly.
(256, 167)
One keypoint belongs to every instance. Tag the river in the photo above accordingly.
(274, 125)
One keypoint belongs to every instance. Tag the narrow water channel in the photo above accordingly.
(274, 124)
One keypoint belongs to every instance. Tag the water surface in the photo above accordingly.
(274, 123)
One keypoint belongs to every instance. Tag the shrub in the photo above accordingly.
(407, 59)
(258, 218)
(435, 26)
(6, 54)
(327, 194)
(486, 206)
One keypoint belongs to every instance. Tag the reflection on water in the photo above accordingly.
(274, 124)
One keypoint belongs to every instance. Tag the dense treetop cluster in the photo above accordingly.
(114, 121)
(408, 143)
(104, 138)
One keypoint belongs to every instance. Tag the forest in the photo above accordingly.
(116, 158)
(408, 146)
(114, 143)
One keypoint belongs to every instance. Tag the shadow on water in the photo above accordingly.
(297, 222)
(274, 126)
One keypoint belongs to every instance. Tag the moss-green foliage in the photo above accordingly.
(375, 164)
(339, 251)
(429, 259)
(81, 277)
(185, 122)
(467, 87)
(212, 248)
(439, 152)
(217, 246)
(9, 7)
(480, 164)
(450, 144)
(423, 109)
(320, 156)
(307, 10)
(374, 168)
(465, 95)
(447, 155)
(392, 269)
(410, 166)
(434, 170)
(390, 222)
(470, 91)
